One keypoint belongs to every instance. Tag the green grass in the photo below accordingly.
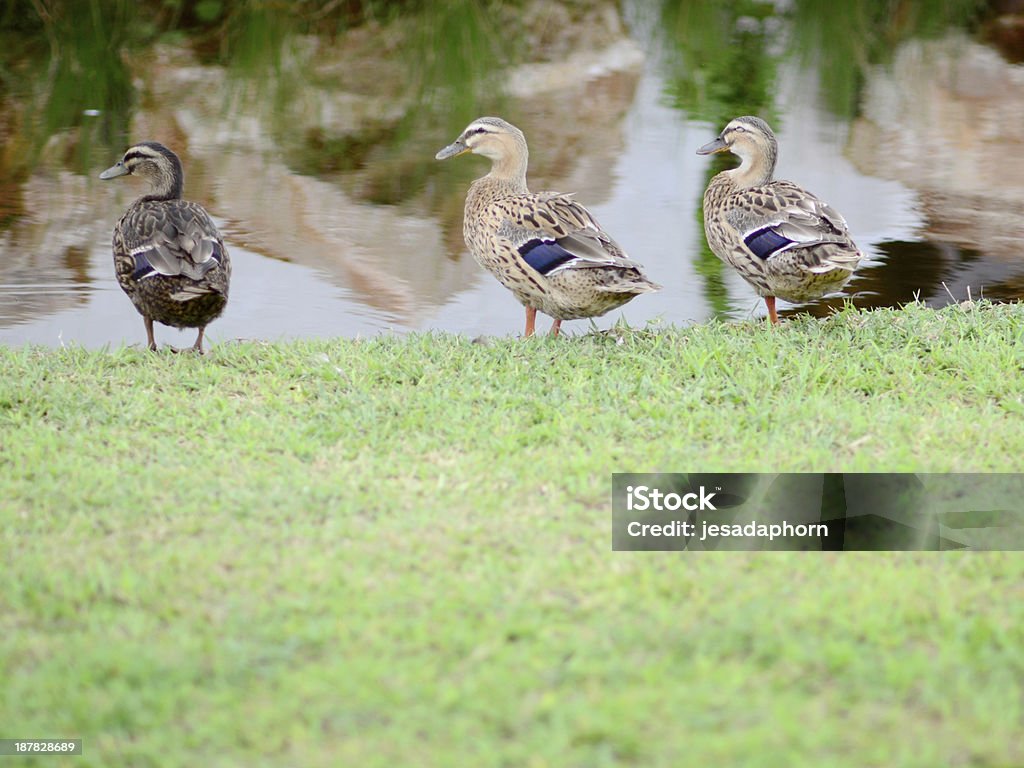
(396, 552)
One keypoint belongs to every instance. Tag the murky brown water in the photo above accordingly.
(928, 175)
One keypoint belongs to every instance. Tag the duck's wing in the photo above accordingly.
(779, 217)
(176, 238)
(551, 232)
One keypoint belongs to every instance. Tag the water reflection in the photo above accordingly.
(935, 274)
(945, 120)
(315, 153)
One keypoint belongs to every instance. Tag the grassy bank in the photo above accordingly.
(396, 551)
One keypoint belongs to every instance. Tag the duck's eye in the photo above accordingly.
(739, 129)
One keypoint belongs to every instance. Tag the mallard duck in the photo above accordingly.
(168, 255)
(782, 240)
(544, 247)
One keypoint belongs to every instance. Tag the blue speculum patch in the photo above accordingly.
(544, 255)
(142, 267)
(766, 242)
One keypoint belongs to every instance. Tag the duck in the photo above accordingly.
(785, 242)
(169, 256)
(544, 247)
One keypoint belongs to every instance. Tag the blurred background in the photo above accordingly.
(309, 128)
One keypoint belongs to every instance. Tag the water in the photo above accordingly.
(340, 223)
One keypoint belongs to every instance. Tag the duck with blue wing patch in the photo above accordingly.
(781, 239)
(544, 247)
(168, 255)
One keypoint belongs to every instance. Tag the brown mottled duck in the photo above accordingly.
(782, 240)
(544, 247)
(168, 255)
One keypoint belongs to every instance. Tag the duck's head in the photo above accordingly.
(153, 162)
(751, 140)
(492, 137)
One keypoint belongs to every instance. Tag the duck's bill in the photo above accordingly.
(718, 145)
(114, 171)
(453, 149)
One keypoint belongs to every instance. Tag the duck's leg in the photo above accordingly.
(555, 327)
(531, 321)
(149, 333)
(773, 316)
(198, 346)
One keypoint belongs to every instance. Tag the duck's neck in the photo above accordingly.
(167, 184)
(510, 170)
(755, 170)
(507, 177)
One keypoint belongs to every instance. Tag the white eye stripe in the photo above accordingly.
(137, 157)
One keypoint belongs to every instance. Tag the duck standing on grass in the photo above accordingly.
(782, 240)
(546, 248)
(168, 255)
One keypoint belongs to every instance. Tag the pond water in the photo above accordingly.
(340, 223)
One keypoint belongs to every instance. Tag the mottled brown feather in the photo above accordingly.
(169, 257)
(501, 215)
(738, 201)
